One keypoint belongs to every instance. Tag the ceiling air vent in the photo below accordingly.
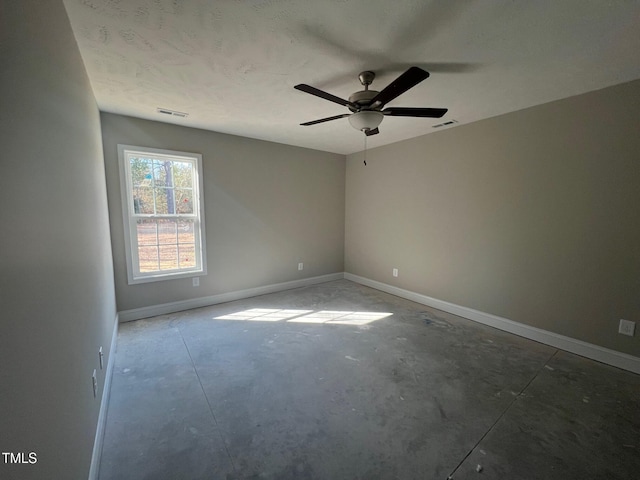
(173, 113)
(445, 124)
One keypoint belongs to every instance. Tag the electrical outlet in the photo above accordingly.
(196, 281)
(627, 327)
(94, 381)
(395, 272)
(101, 358)
(300, 266)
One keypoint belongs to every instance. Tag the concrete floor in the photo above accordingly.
(418, 394)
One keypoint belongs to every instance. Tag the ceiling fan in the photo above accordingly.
(367, 105)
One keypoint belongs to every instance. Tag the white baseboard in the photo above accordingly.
(104, 404)
(589, 350)
(164, 308)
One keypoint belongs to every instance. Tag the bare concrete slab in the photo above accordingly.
(340, 381)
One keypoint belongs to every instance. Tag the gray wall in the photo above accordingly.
(533, 216)
(56, 278)
(268, 206)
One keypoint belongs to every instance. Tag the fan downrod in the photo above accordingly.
(366, 78)
(362, 99)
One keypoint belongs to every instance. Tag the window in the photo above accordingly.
(162, 210)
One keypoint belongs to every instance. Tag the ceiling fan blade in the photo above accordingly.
(327, 96)
(415, 112)
(404, 82)
(322, 120)
(373, 131)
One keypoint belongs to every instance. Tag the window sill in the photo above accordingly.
(168, 276)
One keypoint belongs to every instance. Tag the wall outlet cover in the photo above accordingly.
(627, 327)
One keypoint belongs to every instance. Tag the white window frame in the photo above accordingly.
(130, 218)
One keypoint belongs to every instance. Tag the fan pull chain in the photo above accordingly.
(365, 149)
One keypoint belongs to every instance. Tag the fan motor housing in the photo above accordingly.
(362, 98)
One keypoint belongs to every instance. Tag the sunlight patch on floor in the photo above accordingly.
(264, 315)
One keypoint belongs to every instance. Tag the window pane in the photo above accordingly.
(186, 233)
(143, 200)
(168, 257)
(147, 230)
(187, 256)
(148, 257)
(164, 201)
(141, 172)
(167, 232)
(184, 200)
(162, 173)
(182, 176)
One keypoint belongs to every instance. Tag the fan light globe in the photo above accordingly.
(366, 120)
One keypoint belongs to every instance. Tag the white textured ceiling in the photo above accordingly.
(232, 64)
